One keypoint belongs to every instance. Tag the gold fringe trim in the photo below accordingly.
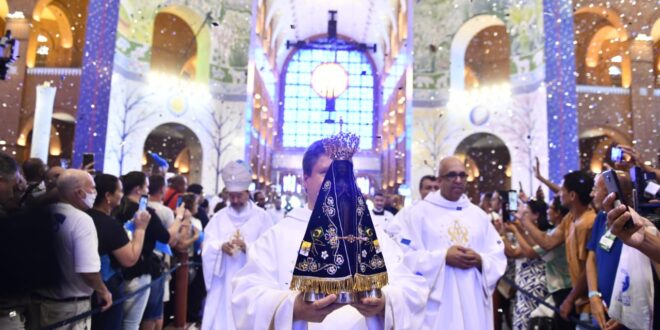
(357, 283)
(369, 282)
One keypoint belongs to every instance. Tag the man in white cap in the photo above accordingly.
(225, 244)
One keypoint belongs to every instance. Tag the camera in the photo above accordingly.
(9, 53)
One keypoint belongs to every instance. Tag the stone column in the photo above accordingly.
(645, 119)
(94, 101)
(564, 153)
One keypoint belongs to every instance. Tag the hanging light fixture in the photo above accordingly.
(329, 80)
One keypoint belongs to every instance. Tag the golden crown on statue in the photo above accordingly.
(341, 146)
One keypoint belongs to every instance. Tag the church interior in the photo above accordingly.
(521, 92)
(201, 83)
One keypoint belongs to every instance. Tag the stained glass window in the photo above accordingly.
(304, 117)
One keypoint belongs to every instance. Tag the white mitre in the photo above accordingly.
(237, 176)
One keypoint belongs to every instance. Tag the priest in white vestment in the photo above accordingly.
(225, 245)
(261, 295)
(379, 215)
(452, 243)
(427, 184)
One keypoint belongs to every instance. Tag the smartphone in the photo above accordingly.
(614, 186)
(88, 158)
(513, 201)
(143, 202)
(616, 154)
(179, 201)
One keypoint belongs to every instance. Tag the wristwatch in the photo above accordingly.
(595, 294)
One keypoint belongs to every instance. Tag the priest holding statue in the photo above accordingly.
(325, 266)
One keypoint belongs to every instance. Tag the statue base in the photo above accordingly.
(344, 297)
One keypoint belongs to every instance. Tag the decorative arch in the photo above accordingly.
(602, 56)
(60, 139)
(460, 43)
(485, 153)
(26, 130)
(655, 36)
(55, 21)
(612, 16)
(184, 155)
(596, 143)
(611, 132)
(4, 11)
(655, 30)
(196, 23)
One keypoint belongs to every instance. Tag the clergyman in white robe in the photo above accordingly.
(400, 220)
(459, 298)
(381, 219)
(262, 299)
(220, 268)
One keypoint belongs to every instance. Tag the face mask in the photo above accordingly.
(89, 199)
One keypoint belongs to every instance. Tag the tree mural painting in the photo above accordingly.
(435, 133)
(523, 129)
(133, 114)
(224, 123)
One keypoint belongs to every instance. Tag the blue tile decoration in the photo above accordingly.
(94, 101)
(560, 85)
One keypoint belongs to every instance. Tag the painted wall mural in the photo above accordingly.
(514, 112)
(212, 105)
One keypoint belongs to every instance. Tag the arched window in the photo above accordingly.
(305, 118)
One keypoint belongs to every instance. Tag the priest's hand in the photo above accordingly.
(314, 311)
(461, 257)
(228, 248)
(474, 258)
(370, 306)
(240, 243)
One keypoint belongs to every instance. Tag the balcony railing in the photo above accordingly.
(40, 71)
(592, 89)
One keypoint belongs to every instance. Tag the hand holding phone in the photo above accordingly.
(88, 162)
(614, 186)
(143, 203)
(179, 201)
(513, 201)
(142, 219)
(616, 155)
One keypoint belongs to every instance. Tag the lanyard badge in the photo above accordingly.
(607, 241)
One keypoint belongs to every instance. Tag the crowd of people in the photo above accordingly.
(74, 241)
(567, 251)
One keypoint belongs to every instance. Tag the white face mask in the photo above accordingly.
(89, 199)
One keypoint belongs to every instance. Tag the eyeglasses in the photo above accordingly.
(454, 175)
